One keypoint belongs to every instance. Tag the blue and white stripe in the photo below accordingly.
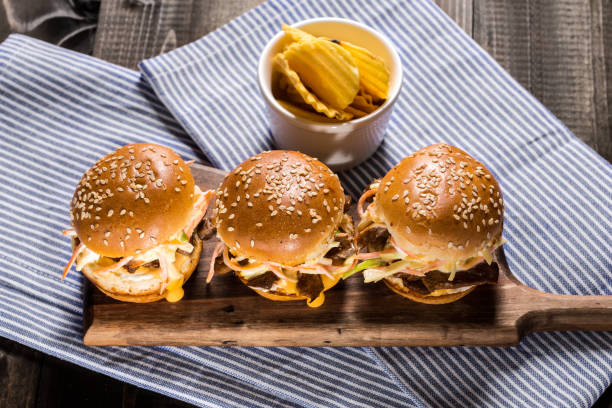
(59, 111)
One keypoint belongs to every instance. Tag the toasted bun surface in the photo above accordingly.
(430, 300)
(441, 202)
(144, 291)
(132, 199)
(279, 206)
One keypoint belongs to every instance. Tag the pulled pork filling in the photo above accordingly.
(308, 279)
(382, 258)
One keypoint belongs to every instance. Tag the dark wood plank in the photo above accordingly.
(19, 370)
(605, 400)
(65, 385)
(132, 30)
(461, 11)
(556, 50)
(134, 397)
(229, 313)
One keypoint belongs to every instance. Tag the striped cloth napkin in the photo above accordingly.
(59, 111)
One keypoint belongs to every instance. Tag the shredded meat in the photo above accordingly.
(265, 281)
(180, 251)
(340, 253)
(374, 239)
(132, 266)
(206, 229)
(480, 274)
(348, 200)
(344, 236)
(220, 266)
(309, 285)
(415, 283)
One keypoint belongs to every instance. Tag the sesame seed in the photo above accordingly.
(230, 229)
(106, 242)
(259, 225)
(110, 213)
(231, 216)
(122, 212)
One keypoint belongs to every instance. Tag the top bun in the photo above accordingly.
(132, 200)
(442, 203)
(279, 206)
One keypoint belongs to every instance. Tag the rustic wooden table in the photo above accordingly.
(560, 50)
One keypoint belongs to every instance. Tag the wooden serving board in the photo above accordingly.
(226, 312)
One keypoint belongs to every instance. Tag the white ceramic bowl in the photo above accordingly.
(341, 145)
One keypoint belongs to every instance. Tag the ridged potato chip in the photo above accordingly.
(319, 76)
(282, 65)
(364, 103)
(373, 72)
(357, 113)
(296, 34)
(305, 114)
(288, 92)
(327, 69)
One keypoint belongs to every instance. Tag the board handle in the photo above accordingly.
(551, 312)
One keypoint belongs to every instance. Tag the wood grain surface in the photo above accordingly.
(227, 313)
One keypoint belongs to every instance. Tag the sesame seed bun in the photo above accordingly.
(430, 300)
(143, 291)
(132, 199)
(441, 203)
(279, 206)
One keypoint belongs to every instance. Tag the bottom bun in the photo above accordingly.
(283, 297)
(277, 296)
(152, 295)
(430, 300)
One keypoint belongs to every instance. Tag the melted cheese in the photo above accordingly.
(174, 290)
(327, 283)
(442, 292)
